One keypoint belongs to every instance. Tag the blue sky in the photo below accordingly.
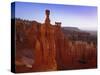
(83, 17)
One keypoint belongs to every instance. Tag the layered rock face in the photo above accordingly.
(45, 48)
